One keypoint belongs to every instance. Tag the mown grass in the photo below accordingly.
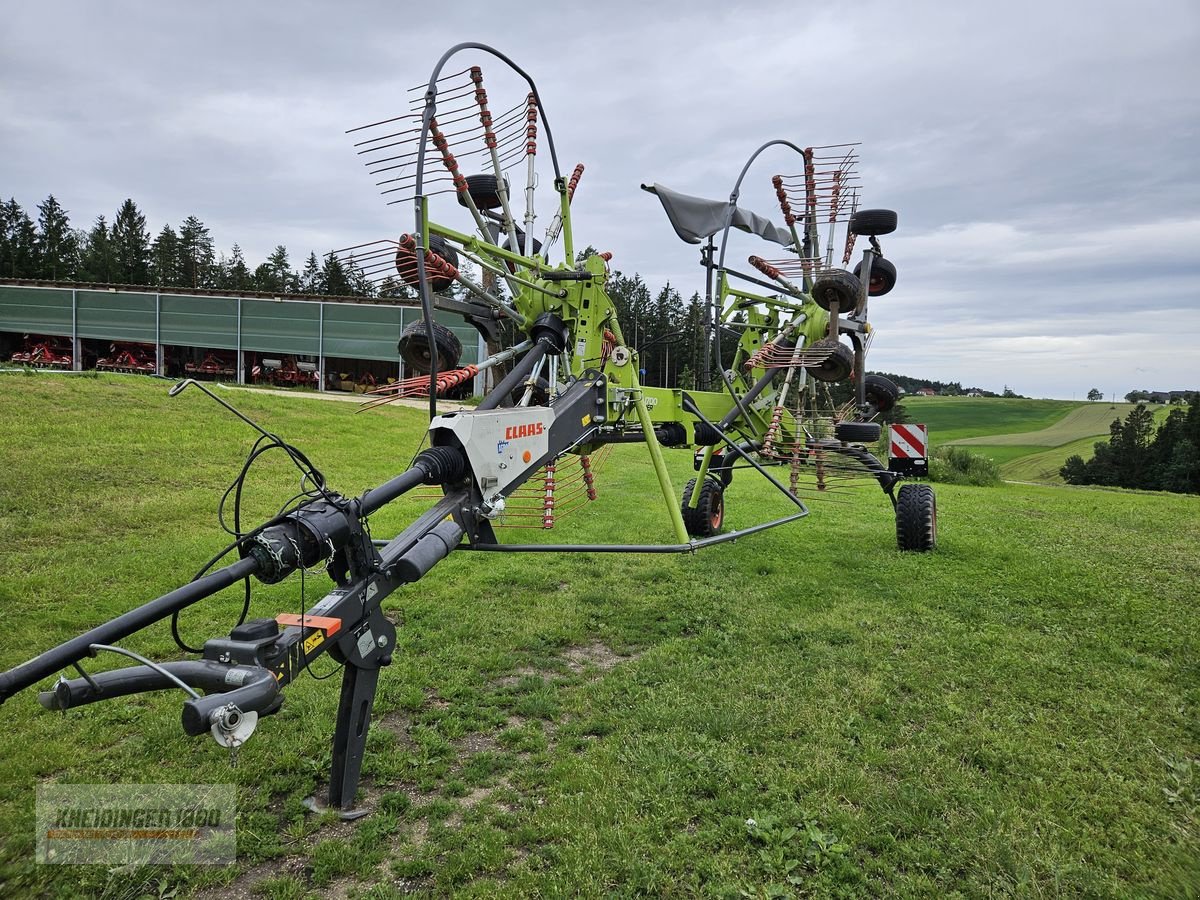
(957, 418)
(1043, 465)
(1015, 713)
(1089, 420)
(1063, 428)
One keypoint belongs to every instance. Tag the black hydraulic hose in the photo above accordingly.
(74, 650)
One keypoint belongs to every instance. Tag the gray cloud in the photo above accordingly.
(1041, 156)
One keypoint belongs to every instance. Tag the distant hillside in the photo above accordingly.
(1030, 439)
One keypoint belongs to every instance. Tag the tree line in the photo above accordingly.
(1138, 456)
(123, 252)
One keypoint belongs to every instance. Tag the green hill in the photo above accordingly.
(954, 418)
(1030, 439)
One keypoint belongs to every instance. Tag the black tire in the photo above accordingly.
(916, 518)
(881, 393)
(871, 222)
(838, 366)
(406, 264)
(521, 243)
(883, 276)
(857, 432)
(414, 347)
(483, 190)
(541, 393)
(708, 516)
(839, 287)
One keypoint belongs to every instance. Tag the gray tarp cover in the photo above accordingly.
(695, 218)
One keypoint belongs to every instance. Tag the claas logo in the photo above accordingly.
(533, 429)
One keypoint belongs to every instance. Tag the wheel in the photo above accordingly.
(840, 287)
(839, 364)
(528, 248)
(857, 432)
(916, 518)
(871, 222)
(881, 393)
(414, 347)
(484, 191)
(539, 397)
(406, 264)
(883, 276)
(705, 520)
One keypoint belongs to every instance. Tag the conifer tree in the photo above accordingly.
(334, 279)
(18, 239)
(131, 245)
(197, 255)
(56, 250)
(98, 263)
(164, 259)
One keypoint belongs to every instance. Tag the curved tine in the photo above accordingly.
(426, 118)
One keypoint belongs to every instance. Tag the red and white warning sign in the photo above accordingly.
(908, 450)
(909, 442)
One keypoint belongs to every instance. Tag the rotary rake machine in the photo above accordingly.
(530, 450)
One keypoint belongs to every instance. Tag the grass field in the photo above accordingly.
(1014, 714)
(1053, 430)
(952, 419)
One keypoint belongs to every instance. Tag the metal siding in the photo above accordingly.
(198, 321)
(362, 332)
(35, 310)
(355, 331)
(115, 316)
(279, 327)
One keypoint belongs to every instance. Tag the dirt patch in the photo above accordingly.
(478, 742)
(595, 655)
(243, 886)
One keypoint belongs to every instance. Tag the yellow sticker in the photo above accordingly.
(312, 642)
(584, 421)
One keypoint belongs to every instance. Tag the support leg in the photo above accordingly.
(350, 737)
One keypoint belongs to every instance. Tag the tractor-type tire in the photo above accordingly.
(871, 222)
(838, 366)
(839, 287)
(539, 397)
(531, 247)
(414, 347)
(483, 190)
(706, 519)
(857, 432)
(883, 276)
(916, 518)
(881, 393)
(406, 264)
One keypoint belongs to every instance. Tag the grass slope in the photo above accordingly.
(1066, 428)
(1090, 420)
(1013, 714)
(952, 419)
(1043, 465)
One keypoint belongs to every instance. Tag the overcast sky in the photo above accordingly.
(1043, 157)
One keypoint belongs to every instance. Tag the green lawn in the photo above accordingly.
(1030, 439)
(1043, 465)
(1014, 714)
(955, 418)
(1089, 420)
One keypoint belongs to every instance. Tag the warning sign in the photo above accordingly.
(908, 450)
